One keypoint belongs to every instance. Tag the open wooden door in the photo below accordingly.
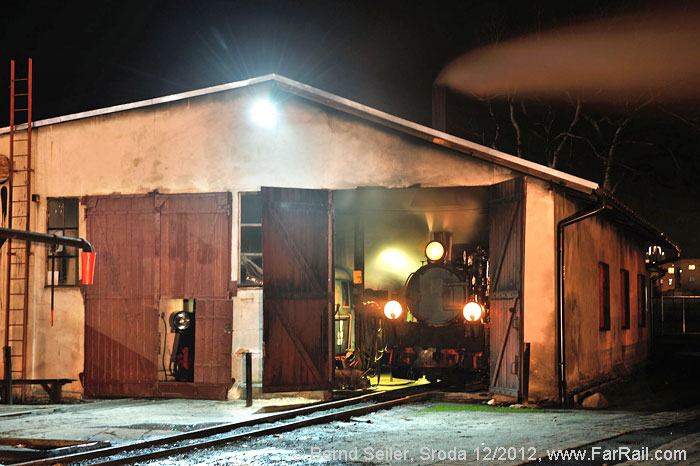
(297, 289)
(506, 247)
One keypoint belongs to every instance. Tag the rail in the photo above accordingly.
(204, 438)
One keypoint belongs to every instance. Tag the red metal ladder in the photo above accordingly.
(18, 210)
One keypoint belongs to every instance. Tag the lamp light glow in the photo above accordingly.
(473, 311)
(264, 113)
(434, 251)
(393, 258)
(393, 309)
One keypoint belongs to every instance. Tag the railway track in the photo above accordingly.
(285, 421)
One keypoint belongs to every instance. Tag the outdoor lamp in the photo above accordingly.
(264, 113)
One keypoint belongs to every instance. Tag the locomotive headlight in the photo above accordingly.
(473, 311)
(434, 251)
(392, 310)
(180, 321)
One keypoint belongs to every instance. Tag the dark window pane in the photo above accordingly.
(604, 295)
(625, 292)
(251, 208)
(251, 271)
(55, 213)
(251, 239)
(70, 207)
(63, 220)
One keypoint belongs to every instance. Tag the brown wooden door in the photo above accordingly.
(506, 246)
(297, 289)
(212, 357)
(121, 308)
(151, 247)
(195, 237)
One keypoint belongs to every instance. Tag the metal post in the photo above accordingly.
(248, 380)
(683, 315)
(663, 323)
(7, 353)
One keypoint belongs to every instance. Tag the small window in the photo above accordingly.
(62, 219)
(251, 260)
(691, 279)
(642, 300)
(342, 294)
(604, 295)
(691, 267)
(625, 294)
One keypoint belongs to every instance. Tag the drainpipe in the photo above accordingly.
(561, 340)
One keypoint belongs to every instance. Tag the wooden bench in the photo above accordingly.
(54, 387)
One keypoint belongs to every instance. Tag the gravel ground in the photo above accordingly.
(436, 433)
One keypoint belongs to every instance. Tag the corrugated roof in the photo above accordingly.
(361, 111)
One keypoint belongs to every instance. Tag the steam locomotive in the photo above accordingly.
(443, 331)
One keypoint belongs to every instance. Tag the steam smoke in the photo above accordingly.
(630, 57)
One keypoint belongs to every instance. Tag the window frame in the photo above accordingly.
(625, 297)
(62, 232)
(603, 296)
(642, 300)
(241, 282)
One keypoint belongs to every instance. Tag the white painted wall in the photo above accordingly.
(539, 288)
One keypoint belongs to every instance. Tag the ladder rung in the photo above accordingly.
(21, 94)
(16, 309)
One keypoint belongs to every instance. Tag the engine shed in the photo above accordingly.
(256, 216)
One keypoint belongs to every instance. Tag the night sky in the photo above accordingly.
(385, 54)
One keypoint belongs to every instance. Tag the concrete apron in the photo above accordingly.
(126, 420)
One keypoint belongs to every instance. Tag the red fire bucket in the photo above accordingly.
(87, 260)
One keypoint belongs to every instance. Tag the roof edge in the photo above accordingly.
(613, 202)
(348, 106)
(144, 103)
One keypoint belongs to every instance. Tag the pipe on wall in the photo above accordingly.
(561, 335)
(7, 233)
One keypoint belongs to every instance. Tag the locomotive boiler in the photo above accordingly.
(439, 328)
